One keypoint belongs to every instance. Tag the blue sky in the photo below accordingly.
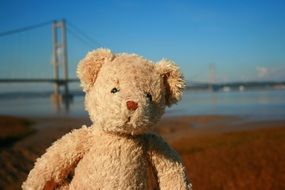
(243, 40)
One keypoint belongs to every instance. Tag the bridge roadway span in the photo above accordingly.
(37, 80)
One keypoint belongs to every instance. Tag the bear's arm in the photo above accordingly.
(170, 171)
(52, 168)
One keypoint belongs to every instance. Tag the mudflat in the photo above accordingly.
(220, 152)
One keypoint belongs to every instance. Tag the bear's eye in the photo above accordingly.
(149, 97)
(114, 90)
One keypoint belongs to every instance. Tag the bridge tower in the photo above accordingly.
(212, 77)
(59, 57)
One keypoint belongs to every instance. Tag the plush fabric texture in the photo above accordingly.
(125, 96)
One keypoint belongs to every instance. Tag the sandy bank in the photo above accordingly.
(186, 133)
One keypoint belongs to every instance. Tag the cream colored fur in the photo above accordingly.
(118, 151)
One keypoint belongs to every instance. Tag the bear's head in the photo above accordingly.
(126, 93)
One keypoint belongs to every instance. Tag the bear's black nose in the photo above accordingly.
(131, 105)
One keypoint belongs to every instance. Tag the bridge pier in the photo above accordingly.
(61, 97)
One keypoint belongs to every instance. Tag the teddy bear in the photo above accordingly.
(125, 95)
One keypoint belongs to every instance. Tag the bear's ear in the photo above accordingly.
(173, 81)
(89, 67)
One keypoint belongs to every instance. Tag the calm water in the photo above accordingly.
(258, 104)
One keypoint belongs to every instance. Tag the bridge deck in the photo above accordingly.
(37, 80)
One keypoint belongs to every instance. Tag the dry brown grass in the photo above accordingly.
(12, 129)
(252, 159)
(239, 160)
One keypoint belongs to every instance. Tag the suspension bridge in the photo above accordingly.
(59, 77)
(31, 45)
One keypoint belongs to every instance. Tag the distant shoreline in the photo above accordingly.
(194, 87)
